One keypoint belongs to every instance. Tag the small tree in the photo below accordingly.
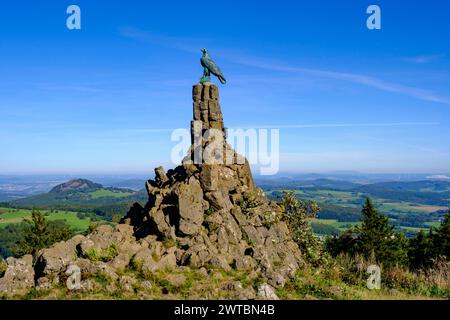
(375, 238)
(297, 213)
(424, 249)
(421, 250)
(441, 239)
(38, 233)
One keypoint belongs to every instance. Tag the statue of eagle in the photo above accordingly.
(209, 66)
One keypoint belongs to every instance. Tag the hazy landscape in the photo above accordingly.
(412, 202)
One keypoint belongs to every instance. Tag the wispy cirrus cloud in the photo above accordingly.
(179, 43)
(422, 94)
(439, 177)
(193, 44)
(423, 59)
(297, 126)
(344, 125)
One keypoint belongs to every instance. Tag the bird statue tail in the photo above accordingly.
(222, 80)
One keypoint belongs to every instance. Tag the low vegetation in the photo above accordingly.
(37, 233)
(3, 267)
(410, 206)
(104, 255)
(337, 266)
(15, 225)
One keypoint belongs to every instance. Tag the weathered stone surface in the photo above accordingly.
(160, 176)
(44, 283)
(215, 114)
(246, 263)
(197, 92)
(220, 262)
(19, 276)
(209, 177)
(120, 262)
(56, 258)
(168, 260)
(148, 262)
(85, 246)
(266, 292)
(197, 110)
(219, 200)
(214, 92)
(191, 206)
(205, 92)
(275, 279)
(127, 283)
(253, 235)
(103, 237)
(125, 231)
(91, 268)
(129, 247)
(142, 256)
(176, 280)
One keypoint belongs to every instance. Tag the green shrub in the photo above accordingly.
(296, 213)
(102, 279)
(209, 212)
(104, 255)
(168, 242)
(3, 266)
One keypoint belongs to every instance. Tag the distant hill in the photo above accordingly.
(410, 205)
(422, 186)
(427, 192)
(323, 183)
(329, 184)
(431, 192)
(82, 194)
(75, 185)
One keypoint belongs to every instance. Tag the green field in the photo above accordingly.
(413, 229)
(11, 216)
(341, 206)
(433, 224)
(341, 226)
(102, 193)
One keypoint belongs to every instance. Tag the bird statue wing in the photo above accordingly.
(213, 68)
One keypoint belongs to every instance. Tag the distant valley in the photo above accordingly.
(410, 205)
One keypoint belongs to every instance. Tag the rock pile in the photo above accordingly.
(212, 209)
(209, 212)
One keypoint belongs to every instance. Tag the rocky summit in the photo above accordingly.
(74, 185)
(205, 217)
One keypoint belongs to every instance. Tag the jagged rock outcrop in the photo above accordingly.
(19, 276)
(203, 215)
(212, 207)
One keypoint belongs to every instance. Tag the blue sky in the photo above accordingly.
(104, 98)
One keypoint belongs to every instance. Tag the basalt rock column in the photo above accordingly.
(207, 127)
(207, 107)
(210, 152)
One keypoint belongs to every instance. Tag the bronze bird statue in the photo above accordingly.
(209, 66)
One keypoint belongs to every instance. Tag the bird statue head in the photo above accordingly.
(204, 51)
